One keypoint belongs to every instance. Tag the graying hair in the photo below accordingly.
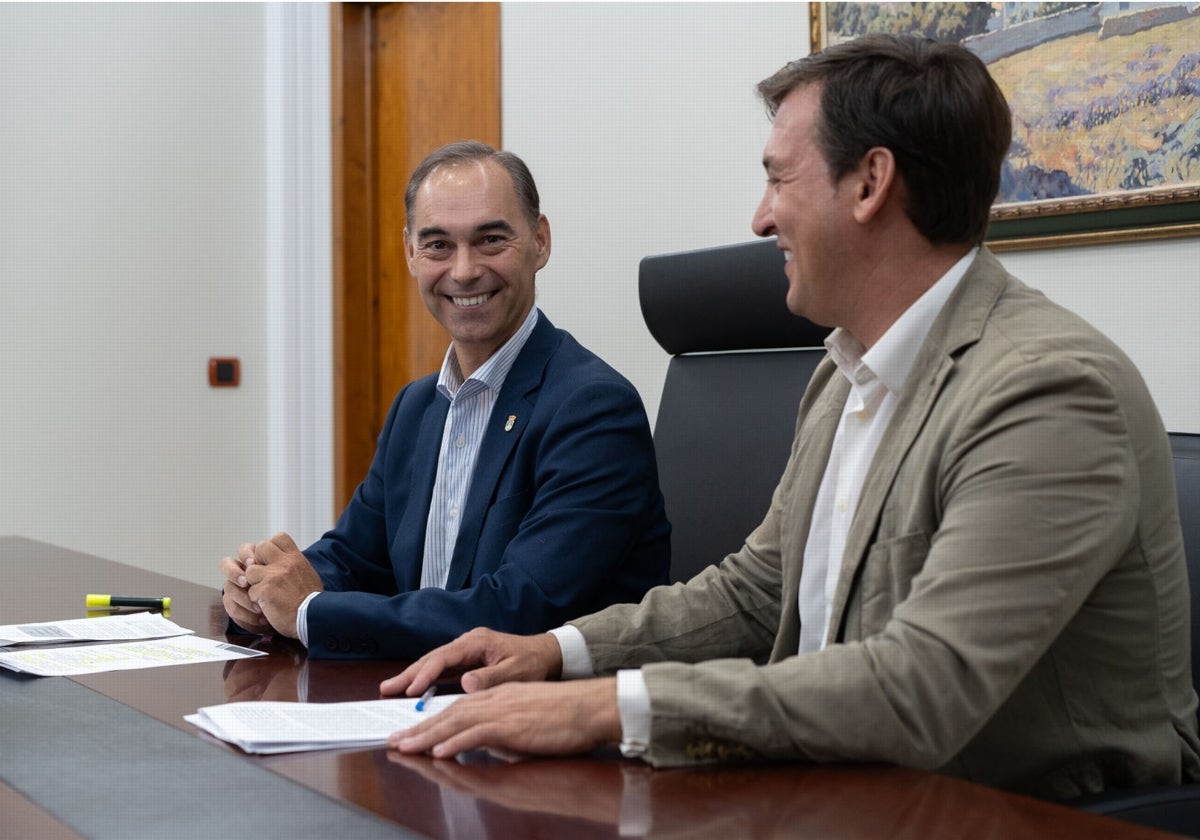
(465, 151)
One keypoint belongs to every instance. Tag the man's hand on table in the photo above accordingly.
(507, 707)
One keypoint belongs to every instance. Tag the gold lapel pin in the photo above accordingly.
(512, 418)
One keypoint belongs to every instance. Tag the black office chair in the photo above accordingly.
(1177, 807)
(1185, 450)
(740, 363)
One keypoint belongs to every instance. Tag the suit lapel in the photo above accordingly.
(408, 546)
(960, 324)
(506, 425)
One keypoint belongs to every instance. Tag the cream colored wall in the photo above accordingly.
(641, 125)
(144, 227)
(1146, 297)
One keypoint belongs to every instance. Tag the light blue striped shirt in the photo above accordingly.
(471, 404)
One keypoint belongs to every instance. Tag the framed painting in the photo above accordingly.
(1106, 110)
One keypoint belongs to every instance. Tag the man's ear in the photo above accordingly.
(541, 235)
(876, 183)
(408, 250)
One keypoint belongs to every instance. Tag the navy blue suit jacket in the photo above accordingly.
(564, 514)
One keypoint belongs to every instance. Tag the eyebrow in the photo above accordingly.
(484, 227)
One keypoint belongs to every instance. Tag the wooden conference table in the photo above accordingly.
(600, 796)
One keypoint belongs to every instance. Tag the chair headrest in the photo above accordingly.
(717, 299)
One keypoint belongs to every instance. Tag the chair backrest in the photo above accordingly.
(1174, 808)
(740, 363)
(1185, 451)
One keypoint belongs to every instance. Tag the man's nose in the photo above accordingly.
(465, 266)
(763, 222)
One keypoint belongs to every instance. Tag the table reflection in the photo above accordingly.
(287, 674)
(603, 795)
(610, 797)
(280, 675)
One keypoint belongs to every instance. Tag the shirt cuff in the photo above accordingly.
(302, 618)
(633, 702)
(576, 661)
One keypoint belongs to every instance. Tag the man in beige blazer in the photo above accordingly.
(973, 561)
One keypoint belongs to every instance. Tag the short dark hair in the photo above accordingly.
(465, 151)
(933, 104)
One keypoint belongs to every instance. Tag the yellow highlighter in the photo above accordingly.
(113, 602)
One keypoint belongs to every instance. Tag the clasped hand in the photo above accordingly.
(266, 583)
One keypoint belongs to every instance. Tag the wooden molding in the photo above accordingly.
(406, 78)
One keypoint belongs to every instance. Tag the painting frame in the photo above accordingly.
(1122, 216)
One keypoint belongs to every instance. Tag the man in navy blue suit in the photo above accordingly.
(515, 489)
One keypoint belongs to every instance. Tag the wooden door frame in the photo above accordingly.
(370, 362)
(355, 318)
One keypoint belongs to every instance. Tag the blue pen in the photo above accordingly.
(425, 698)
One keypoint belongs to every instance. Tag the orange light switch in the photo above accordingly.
(224, 372)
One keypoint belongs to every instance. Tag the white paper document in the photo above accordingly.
(95, 659)
(144, 625)
(272, 727)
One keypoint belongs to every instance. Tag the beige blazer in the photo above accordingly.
(1012, 606)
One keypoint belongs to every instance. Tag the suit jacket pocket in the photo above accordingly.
(887, 576)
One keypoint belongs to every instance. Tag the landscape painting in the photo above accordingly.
(1105, 100)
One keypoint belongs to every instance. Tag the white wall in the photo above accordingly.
(642, 128)
(1145, 296)
(641, 125)
(136, 242)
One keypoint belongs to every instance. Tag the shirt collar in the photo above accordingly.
(492, 373)
(893, 356)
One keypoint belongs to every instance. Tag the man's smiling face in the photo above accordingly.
(474, 253)
(809, 213)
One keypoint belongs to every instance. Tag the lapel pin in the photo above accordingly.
(512, 418)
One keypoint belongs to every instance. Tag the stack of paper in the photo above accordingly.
(106, 628)
(272, 727)
(126, 656)
(169, 644)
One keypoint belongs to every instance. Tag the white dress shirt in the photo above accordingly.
(876, 378)
(471, 404)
